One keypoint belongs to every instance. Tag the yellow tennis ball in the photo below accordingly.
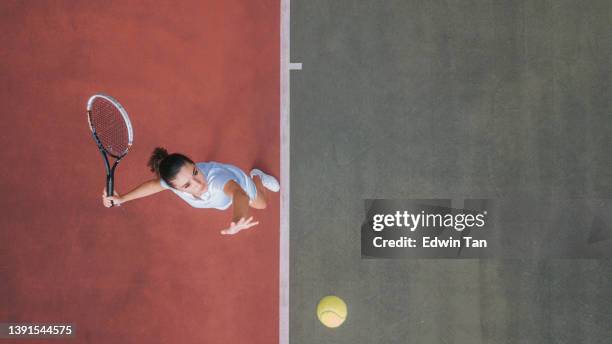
(332, 311)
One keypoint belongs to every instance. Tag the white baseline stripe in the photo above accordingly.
(283, 335)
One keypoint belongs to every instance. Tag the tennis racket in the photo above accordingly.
(112, 130)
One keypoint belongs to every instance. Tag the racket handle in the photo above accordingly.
(109, 189)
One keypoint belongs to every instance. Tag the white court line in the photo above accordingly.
(283, 328)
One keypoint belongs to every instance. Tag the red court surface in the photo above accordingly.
(198, 77)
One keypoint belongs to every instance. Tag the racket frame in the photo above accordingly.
(110, 170)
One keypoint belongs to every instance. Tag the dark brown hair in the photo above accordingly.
(166, 166)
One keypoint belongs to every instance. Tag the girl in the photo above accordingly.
(204, 185)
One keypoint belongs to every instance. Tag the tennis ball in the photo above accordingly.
(331, 311)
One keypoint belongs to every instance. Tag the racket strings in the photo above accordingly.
(110, 127)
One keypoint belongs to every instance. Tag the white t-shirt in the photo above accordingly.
(216, 175)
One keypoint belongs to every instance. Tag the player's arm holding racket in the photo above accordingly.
(111, 129)
(145, 189)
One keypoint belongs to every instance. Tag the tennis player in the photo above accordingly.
(204, 185)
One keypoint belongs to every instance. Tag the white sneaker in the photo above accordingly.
(267, 180)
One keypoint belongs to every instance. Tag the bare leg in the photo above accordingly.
(260, 201)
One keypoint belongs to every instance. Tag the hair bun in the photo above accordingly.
(159, 154)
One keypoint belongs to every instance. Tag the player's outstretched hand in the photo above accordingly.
(242, 224)
(110, 201)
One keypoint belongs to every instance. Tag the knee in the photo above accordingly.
(259, 204)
